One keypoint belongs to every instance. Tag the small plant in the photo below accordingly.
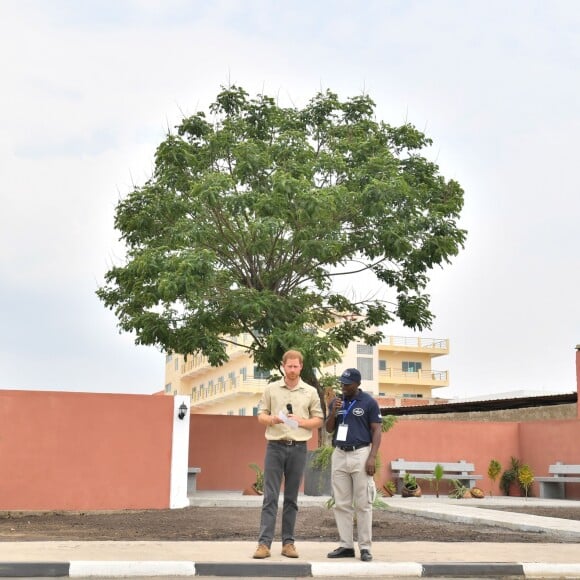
(410, 481)
(388, 423)
(435, 480)
(510, 475)
(321, 457)
(410, 486)
(525, 478)
(493, 470)
(378, 502)
(459, 490)
(390, 487)
(259, 483)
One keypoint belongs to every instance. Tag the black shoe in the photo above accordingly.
(341, 553)
(365, 556)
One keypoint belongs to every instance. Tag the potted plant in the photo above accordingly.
(410, 486)
(257, 488)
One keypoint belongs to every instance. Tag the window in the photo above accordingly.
(176, 364)
(255, 411)
(365, 366)
(168, 388)
(261, 373)
(411, 366)
(242, 412)
(168, 358)
(382, 364)
(230, 413)
(243, 373)
(412, 395)
(364, 349)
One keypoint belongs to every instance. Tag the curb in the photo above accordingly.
(115, 569)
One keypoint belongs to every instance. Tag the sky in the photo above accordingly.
(89, 89)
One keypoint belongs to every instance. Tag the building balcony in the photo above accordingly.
(431, 346)
(222, 391)
(421, 378)
(197, 363)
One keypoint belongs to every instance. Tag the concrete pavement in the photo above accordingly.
(391, 559)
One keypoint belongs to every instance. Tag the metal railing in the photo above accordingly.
(417, 377)
(229, 387)
(417, 342)
(196, 362)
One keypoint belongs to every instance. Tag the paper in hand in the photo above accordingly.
(292, 423)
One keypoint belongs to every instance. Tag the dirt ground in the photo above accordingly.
(222, 524)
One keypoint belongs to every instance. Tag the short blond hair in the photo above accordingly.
(293, 354)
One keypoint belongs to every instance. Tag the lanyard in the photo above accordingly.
(348, 410)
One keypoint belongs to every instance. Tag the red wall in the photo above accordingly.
(84, 451)
(545, 442)
(476, 442)
(224, 446)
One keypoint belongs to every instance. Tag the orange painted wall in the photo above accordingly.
(545, 442)
(223, 446)
(84, 451)
(476, 442)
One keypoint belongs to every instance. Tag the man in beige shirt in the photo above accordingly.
(290, 410)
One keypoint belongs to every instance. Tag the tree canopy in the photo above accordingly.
(253, 210)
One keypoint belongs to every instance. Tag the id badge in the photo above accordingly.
(341, 432)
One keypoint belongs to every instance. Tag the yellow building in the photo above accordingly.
(397, 371)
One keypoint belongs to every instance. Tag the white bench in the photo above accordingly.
(191, 479)
(460, 470)
(553, 487)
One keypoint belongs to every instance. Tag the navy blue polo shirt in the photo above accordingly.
(363, 412)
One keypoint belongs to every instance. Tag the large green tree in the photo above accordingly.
(253, 210)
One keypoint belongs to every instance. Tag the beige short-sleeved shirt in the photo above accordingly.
(305, 403)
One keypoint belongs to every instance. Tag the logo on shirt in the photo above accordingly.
(358, 412)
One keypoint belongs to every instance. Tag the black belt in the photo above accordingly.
(287, 442)
(352, 447)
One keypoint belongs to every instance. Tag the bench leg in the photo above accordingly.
(552, 490)
(191, 483)
(468, 483)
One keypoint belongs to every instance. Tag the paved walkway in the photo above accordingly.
(394, 559)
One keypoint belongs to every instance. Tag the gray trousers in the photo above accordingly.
(354, 493)
(288, 462)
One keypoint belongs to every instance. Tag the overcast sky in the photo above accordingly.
(89, 89)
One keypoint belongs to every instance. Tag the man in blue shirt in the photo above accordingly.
(355, 421)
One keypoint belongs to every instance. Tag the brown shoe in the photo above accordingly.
(262, 551)
(289, 551)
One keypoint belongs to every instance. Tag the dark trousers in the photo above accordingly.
(286, 461)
